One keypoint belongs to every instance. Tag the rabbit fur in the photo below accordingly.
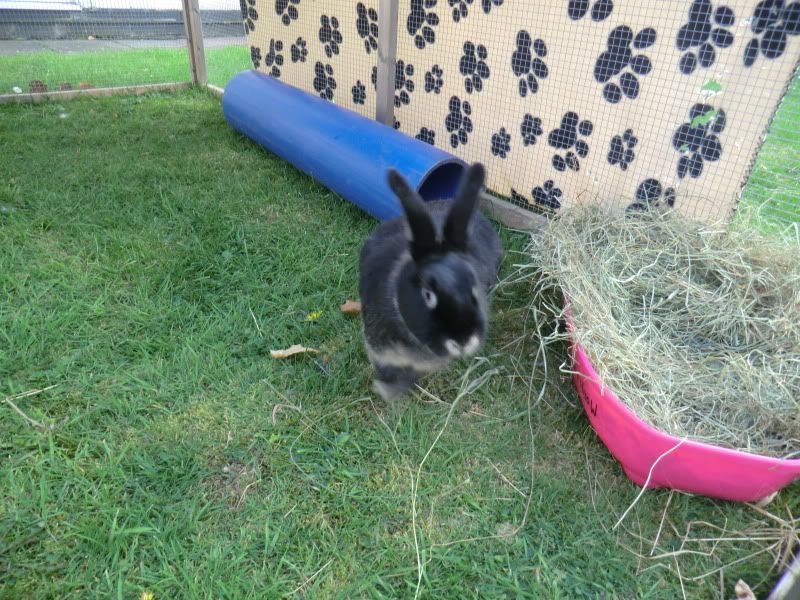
(424, 282)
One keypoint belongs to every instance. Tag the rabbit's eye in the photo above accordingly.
(429, 297)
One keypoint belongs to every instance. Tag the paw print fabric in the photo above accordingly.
(565, 101)
(327, 48)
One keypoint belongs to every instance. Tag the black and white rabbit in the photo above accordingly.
(424, 282)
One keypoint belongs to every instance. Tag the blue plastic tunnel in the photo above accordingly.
(344, 151)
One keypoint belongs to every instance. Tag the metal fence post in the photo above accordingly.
(194, 41)
(387, 56)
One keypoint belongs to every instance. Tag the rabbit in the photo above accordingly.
(424, 282)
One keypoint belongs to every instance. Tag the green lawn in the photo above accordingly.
(112, 68)
(773, 186)
(150, 258)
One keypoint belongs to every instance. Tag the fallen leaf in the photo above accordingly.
(313, 316)
(291, 351)
(147, 596)
(743, 591)
(351, 307)
(85, 85)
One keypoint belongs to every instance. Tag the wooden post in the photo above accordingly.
(387, 56)
(194, 41)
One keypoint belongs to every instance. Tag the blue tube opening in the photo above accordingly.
(442, 182)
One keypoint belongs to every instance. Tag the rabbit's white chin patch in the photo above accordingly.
(472, 345)
(456, 350)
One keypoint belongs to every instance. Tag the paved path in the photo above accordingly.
(75, 46)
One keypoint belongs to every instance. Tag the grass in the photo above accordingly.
(105, 68)
(150, 258)
(772, 186)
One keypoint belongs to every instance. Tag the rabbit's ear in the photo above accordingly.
(464, 205)
(423, 231)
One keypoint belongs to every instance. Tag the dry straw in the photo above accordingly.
(695, 328)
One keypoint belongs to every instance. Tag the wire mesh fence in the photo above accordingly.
(72, 44)
(629, 104)
(227, 48)
(88, 44)
(328, 48)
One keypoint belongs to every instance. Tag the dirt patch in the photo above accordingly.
(233, 482)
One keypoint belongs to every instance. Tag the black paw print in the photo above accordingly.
(274, 58)
(359, 93)
(434, 80)
(420, 22)
(774, 21)
(473, 66)
(255, 56)
(577, 9)
(396, 123)
(547, 196)
(426, 135)
(651, 194)
(700, 33)
(618, 57)
(286, 10)
(299, 50)
(621, 151)
(487, 5)
(527, 67)
(460, 10)
(458, 122)
(374, 78)
(249, 14)
(402, 82)
(501, 143)
(324, 82)
(329, 35)
(367, 26)
(544, 197)
(531, 128)
(566, 137)
(697, 140)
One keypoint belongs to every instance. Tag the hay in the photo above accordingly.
(696, 329)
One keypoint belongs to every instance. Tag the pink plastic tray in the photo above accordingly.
(688, 466)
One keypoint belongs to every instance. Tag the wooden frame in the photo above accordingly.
(387, 57)
(194, 41)
(95, 92)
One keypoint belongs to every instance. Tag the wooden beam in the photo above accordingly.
(194, 41)
(216, 90)
(96, 92)
(387, 56)
(511, 215)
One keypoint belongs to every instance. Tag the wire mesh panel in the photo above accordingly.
(67, 44)
(327, 47)
(225, 27)
(772, 189)
(630, 103)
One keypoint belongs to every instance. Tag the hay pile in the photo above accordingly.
(696, 329)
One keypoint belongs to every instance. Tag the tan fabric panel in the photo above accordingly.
(613, 109)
